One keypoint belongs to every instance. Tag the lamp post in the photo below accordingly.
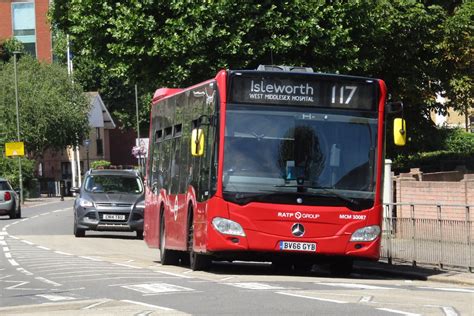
(15, 53)
(87, 142)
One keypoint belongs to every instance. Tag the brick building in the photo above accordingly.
(27, 21)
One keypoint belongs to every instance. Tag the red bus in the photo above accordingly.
(277, 164)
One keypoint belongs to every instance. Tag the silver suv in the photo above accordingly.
(110, 200)
(9, 200)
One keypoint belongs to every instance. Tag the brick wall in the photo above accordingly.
(420, 193)
(43, 32)
(5, 19)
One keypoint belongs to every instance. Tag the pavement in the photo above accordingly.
(382, 267)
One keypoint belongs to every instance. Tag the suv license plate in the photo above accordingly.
(114, 217)
(297, 246)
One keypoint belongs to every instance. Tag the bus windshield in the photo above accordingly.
(272, 152)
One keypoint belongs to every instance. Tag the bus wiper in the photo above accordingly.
(330, 191)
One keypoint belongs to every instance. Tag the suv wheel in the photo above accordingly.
(78, 232)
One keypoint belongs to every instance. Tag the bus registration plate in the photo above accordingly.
(297, 246)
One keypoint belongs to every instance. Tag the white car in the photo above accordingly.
(9, 200)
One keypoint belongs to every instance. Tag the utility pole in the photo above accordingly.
(138, 130)
(15, 53)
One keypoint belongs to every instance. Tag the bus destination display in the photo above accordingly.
(308, 91)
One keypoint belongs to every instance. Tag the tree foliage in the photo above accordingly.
(420, 48)
(52, 110)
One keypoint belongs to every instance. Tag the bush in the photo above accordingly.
(9, 170)
(460, 141)
(100, 164)
(456, 149)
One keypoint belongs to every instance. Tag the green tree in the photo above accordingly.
(177, 43)
(458, 49)
(53, 110)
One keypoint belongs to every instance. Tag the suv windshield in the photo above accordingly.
(113, 184)
(299, 150)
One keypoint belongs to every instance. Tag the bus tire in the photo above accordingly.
(167, 256)
(197, 261)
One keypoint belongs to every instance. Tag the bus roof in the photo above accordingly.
(164, 92)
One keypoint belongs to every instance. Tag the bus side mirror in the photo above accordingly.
(399, 132)
(197, 142)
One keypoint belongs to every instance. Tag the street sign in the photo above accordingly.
(14, 149)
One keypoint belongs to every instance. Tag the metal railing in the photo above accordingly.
(435, 234)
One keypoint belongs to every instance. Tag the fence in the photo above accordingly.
(429, 234)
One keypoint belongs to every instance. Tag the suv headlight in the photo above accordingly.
(367, 233)
(140, 205)
(228, 227)
(85, 203)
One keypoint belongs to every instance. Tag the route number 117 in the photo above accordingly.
(343, 95)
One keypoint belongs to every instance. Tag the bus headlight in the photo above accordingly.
(367, 233)
(228, 227)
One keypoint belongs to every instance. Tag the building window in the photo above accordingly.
(23, 17)
(99, 143)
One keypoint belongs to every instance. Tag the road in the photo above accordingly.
(44, 269)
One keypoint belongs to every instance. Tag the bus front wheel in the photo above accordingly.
(197, 261)
(167, 257)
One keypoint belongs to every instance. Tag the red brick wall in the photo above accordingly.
(5, 19)
(43, 31)
(408, 190)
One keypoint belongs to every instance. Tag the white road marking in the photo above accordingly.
(447, 289)
(126, 265)
(365, 299)
(6, 249)
(20, 283)
(3, 242)
(13, 262)
(357, 286)
(313, 298)
(27, 242)
(148, 305)
(90, 258)
(227, 278)
(24, 271)
(47, 281)
(96, 304)
(63, 253)
(157, 288)
(56, 298)
(44, 248)
(8, 255)
(13, 237)
(255, 286)
(398, 312)
(175, 274)
(447, 310)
